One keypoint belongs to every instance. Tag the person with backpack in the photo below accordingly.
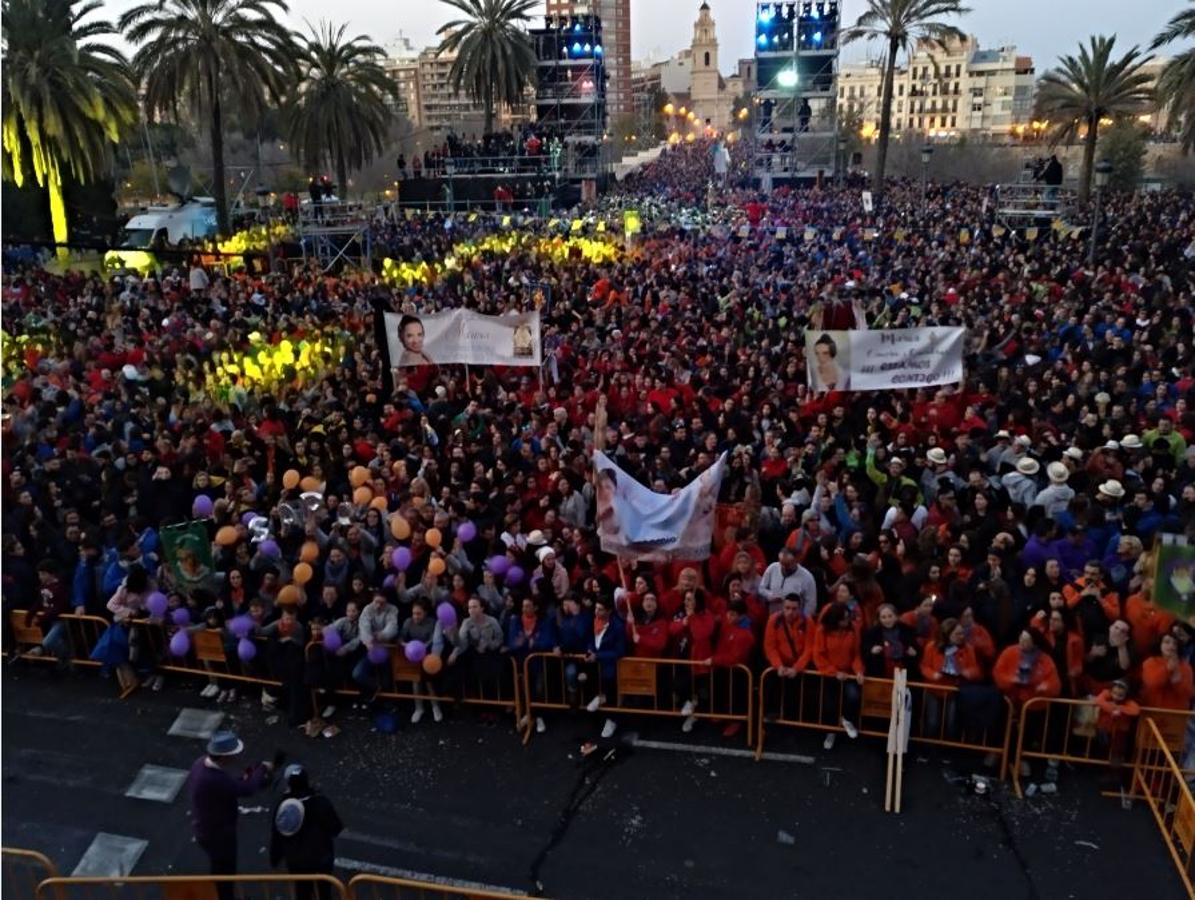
(303, 831)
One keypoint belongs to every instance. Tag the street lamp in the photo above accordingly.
(1103, 169)
(927, 153)
(841, 159)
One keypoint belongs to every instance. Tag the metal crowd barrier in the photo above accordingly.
(1158, 778)
(193, 887)
(644, 687)
(380, 887)
(1056, 728)
(24, 870)
(813, 700)
(83, 633)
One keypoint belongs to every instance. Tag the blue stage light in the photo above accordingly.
(817, 37)
(597, 49)
(576, 46)
(762, 40)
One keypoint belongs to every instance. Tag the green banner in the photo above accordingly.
(188, 556)
(1174, 577)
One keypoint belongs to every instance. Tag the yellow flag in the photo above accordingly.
(964, 236)
(577, 225)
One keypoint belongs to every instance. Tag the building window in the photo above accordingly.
(953, 119)
(707, 57)
(900, 90)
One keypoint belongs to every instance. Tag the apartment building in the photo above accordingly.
(948, 92)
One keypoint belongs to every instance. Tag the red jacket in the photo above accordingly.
(966, 661)
(649, 640)
(736, 642)
(1157, 690)
(697, 635)
(1042, 680)
(785, 646)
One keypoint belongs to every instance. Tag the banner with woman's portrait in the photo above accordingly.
(883, 359)
(461, 336)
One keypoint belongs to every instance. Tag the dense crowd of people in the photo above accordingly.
(992, 535)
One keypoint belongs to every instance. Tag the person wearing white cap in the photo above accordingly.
(1131, 442)
(551, 571)
(1021, 484)
(303, 830)
(1055, 497)
(937, 468)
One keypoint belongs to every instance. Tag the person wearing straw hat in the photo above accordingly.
(1021, 484)
(1055, 497)
(215, 793)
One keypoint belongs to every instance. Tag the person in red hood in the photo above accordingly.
(734, 647)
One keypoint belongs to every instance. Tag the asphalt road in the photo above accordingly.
(465, 801)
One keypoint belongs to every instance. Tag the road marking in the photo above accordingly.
(460, 884)
(411, 847)
(157, 783)
(703, 750)
(110, 856)
(200, 724)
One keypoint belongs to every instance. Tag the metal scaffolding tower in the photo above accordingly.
(336, 233)
(796, 54)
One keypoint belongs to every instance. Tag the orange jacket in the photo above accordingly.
(837, 651)
(1043, 678)
(925, 627)
(1148, 622)
(787, 647)
(1159, 691)
(933, 659)
(1108, 721)
(1109, 601)
(985, 648)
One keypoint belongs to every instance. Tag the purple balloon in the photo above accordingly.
(388, 582)
(401, 558)
(180, 644)
(241, 626)
(202, 507)
(332, 640)
(270, 549)
(378, 654)
(415, 651)
(466, 532)
(514, 574)
(446, 614)
(156, 604)
(180, 617)
(498, 565)
(246, 649)
(248, 517)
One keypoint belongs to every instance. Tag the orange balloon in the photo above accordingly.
(226, 536)
(302, 573)
(309, 552)
(288, 595)
(362, 496)
(359, 476)
(290, 479)
(417, 501)
(433, 537)
(400, 528)
(436, 566)
(432, 664)
(378, 503)
(399, 467)
(310, 483)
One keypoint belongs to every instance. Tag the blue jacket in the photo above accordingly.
(85, 587)
(542, 640)
(575, 633)
(614, 648)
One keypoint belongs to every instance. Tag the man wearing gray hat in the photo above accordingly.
(215, 792)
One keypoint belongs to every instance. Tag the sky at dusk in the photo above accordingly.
(1040, 28)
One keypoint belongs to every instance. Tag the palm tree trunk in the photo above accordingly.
(219, 190)
(1089, 144)
(489, 109)
(58, 224)
(877, 186)
(342, 178)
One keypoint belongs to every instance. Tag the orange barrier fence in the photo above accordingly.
(381, 887)
(1065, 730)
(1158, 778)
(643, 687)
(815, 701)
(24, 870)
(193, 887)
(82, 632)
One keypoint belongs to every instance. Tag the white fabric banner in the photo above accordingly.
(883, 359)
(637, 523)
(461, 336)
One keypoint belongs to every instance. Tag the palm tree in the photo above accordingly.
(343, 108)
(194, 53)
(494, 57)
(1176, 85)
(1083, 90)
(901, 24)
(66, 99)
